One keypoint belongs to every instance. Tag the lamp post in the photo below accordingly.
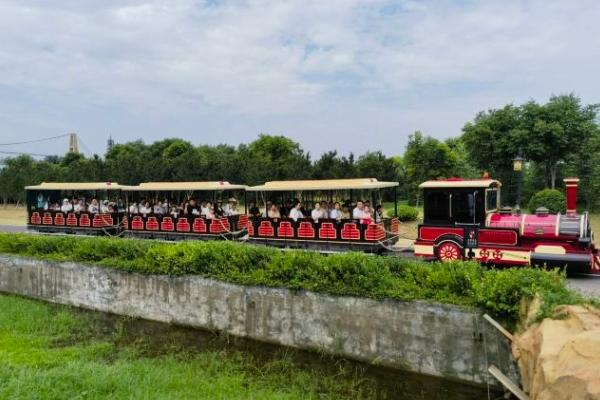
(518, 162)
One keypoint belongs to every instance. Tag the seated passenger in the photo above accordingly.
(295, 212)
(104, 207)
(231, 207)
(158, 208)
(317, 212)
(175, 212)
(55, 207)
(253, 210)
(66, 206)
(94, 208)
(42, 203)
(358, 212)
(80, 206)
(325, 209)
(192, 208)
(336, 212)
(274, 212)
(346, 214)
(379, 214)
(367, 217)
(145, 208)
(209, 212)
(133, 208)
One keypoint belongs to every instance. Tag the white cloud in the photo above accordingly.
(310, 67)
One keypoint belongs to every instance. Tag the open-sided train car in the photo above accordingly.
(182, 224)
(67, 207)
(326, 233)
(463, 220)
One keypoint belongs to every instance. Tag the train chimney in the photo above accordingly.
(571, 185)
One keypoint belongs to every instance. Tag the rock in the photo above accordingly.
(560, 358)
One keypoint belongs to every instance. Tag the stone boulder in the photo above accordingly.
(560, 358)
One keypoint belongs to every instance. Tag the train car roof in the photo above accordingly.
(176, 186)
(323, 184)
(460, 183)
(75, 186)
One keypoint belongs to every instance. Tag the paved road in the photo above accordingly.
(587, 284)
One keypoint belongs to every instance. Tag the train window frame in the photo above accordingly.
(488, 192)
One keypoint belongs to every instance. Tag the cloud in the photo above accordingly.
(311, 69)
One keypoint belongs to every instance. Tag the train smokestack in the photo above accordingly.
(571, 185)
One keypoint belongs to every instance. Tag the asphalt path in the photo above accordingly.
(588, 285)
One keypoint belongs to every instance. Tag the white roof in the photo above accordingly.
(75, 186)
(323, 184)
(460, 183)
(181, 186)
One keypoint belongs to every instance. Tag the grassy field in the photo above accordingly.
(56, 352)
(12, 215)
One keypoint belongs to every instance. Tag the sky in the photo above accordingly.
(345, 75)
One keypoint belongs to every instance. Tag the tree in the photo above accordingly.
(426, 158)
(332, 166)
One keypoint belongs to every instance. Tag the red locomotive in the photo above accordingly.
(463, 220)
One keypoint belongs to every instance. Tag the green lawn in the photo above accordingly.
(55, 352)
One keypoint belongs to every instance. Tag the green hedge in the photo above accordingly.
(552, 199)
(407, 213)
(356, 274)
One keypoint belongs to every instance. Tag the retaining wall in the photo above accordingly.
(434, 339)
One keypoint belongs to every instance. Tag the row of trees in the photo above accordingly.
(561, 137)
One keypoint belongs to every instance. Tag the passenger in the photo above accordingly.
(80, 206)
(274, 212)
(133, 208)
(145, 208)
(203, 208)
(42, 202)
(295, 212)
(367, 216)
(218, 210)
(358, 212)
(192, 208)
(111, 208)
(158, 208)
(253, 210)
(66, 206)
(104, 207)
(285, 209)
(379, 213)
(325, 209)
(94, 207)
(55, 207)
(231, 207)
(336, 212)
(209, 211)
(317, 212)
(346, 214)
(267, 208)
(175, 212)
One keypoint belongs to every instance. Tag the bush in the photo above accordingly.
(354, 274)
(407, 213)
(552, 199)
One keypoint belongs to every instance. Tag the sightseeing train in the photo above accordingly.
(462, 218)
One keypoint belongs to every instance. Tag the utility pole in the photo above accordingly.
(110, 144)
(73, 143)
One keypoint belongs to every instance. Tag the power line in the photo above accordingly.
(35, 140)
(23, 152)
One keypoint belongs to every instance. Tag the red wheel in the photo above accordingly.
(448, 251)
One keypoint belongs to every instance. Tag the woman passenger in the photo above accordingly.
(133, 208)
(145, 208)
(209, 212)
(274, 212)
(336, 212)
(94, 207)
(66, 206)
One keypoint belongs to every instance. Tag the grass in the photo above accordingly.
(57, 352)
(48, 352)
(14, 216)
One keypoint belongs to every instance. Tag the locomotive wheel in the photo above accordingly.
(448, 251)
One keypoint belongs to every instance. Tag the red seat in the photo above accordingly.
(242, 221)
(219, 225)
(59, 219)
(35, 218)
(285, 229)
(71, 219)
(167, 224)
(199, 225)
(250, 228)
(306, 230)
(350, 231)
(102, 220)
(152, 224)
(395, 226)
(374, 232)
(47, 219)
(183, 225)
(137, 223)
(84, 220)
(327, 231)
(266, 229)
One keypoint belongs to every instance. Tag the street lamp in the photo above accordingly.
(518, 162)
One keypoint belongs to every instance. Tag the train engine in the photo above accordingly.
(463, 220)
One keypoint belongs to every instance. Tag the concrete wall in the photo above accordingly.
(432, 339)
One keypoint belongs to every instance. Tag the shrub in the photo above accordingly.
(407, 213)
(354, 274)
(552, 199)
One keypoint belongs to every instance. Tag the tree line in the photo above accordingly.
(558, 138)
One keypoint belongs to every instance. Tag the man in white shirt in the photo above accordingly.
(358, 212)
(133, 208)
(231, 207)
(66, 206)
(295, 212)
